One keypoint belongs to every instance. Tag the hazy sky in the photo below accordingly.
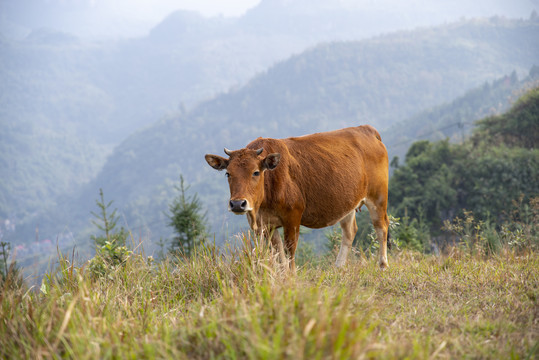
(120, 18)
(205, 7)
(105, 17)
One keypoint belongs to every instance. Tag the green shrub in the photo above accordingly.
(108, 258)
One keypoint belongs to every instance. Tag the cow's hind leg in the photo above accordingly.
(380, 221)
(349, 230)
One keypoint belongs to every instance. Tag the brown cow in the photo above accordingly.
(314, 180)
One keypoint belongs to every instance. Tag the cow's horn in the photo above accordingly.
(228, 152)
(259, 151)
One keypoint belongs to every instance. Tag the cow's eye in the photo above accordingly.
(256, 173)
(227, 175)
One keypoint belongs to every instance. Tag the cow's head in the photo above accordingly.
(245, 172)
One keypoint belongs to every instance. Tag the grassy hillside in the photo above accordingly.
(242, 304)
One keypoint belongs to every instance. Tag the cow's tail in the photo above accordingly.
(388, 239)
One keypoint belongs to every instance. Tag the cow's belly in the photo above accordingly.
(330, 199)
(320, 217)
(313, 220)
(323, 220)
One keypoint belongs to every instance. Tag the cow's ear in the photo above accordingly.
(271, 161)
(216, 162)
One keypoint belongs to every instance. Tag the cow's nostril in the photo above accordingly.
(238, 206)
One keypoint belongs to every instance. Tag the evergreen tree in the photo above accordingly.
(110, 247)
(187, 220)
(107, 223)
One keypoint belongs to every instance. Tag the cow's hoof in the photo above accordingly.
(384, 265)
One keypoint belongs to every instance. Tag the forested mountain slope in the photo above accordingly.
(456, 119)
(493, 174)
(380, 81)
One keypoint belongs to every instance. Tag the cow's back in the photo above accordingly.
(331, 172)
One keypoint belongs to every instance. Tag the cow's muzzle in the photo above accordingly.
(238, 206)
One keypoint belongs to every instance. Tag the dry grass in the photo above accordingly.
(242, 304)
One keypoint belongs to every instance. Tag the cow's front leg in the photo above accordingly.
(277, 244)
(253, 222)
(261, 231)
(291, 236)
(267, 231)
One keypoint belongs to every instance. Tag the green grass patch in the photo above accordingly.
(242, 304)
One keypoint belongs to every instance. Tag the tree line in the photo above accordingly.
(492, 175)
